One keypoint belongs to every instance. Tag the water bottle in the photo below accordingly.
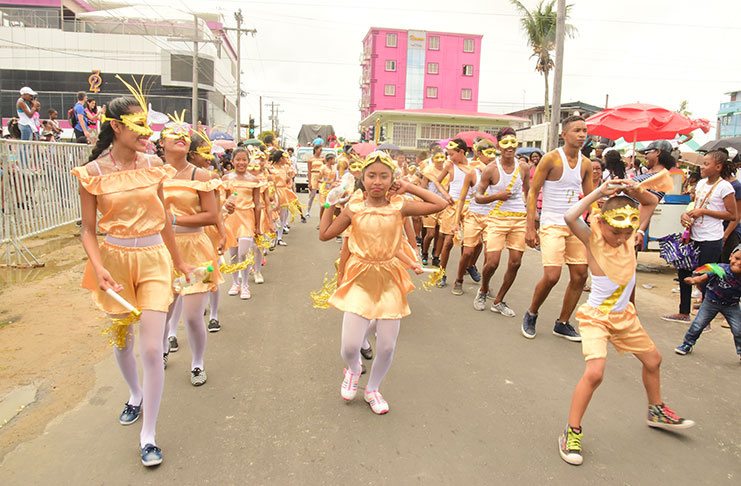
(200, 274)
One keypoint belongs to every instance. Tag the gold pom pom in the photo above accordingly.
(432, 282)
(119, 331)
(321, 296)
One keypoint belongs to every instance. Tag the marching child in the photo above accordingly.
(609, 315)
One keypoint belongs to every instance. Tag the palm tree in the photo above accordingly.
(540, 27)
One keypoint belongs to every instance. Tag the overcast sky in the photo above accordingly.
(305, 55)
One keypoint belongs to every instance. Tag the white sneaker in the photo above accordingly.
(259, 278)
(503, 309)
(234, 290)
(696, 294)
(376, 401)
(349, 387)
(245, 293)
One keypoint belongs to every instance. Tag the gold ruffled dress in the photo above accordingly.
(241, 223)
(131, 208)
(182, 199)
(285, 195)
(375, 283)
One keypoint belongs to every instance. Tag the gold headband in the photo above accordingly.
(624, 217)
(378, 156)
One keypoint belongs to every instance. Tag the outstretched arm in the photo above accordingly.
(329, 229)
(431, 203)
(573, 216)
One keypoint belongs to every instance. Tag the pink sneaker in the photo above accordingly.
(376, 401)
(245, 293)
(349, 387)
(234, 289)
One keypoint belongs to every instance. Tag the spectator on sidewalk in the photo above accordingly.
(26, 109)
(54, 125)
(80, 118)
(92, 113)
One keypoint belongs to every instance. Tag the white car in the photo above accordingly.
(302, 166)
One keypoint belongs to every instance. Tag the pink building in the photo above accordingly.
(412, 69)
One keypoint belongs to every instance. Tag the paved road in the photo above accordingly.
(472, 401)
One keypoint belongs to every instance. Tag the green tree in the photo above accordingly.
(265, 134)
(540, 26)
(683, 109)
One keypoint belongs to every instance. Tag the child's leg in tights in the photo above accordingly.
(173, 317)
(234, 258)
(284, 213)
(244, 247)
(193, 307)
(151, 330)
(127, 364)
(213, 303)
(370, 332)
(354, 328)
(386, 333)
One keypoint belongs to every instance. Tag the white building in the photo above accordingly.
(60, 47)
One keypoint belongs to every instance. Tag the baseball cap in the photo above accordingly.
(661, 145)
(26, 90)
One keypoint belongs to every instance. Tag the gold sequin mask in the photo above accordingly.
(356, 167)
(510, 141)
(177, 129)
(378, 156)
(136, 122)
(206, 149)
(452, 146)
(438, 157)
(624, 217)
(490, 152)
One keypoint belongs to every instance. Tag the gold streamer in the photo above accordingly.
(321, 296)
(432, 282)
(296, 209)
(119, 331)
(263, 241)
(249, 259)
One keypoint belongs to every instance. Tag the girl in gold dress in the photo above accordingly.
(283, 182)
(137, 256)
(374, 283)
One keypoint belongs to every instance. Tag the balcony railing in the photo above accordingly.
(730, 107)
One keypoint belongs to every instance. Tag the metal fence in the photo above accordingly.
(38, 192)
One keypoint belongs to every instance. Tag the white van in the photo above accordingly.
(302, 166)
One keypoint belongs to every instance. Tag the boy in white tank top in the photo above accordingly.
(609, 315)
(562, 174)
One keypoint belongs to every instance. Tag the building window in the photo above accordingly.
(468, 69)
(468, 45)
(390, 65)
(390, 40)
(389, 90)
(433, 68)
(434, 43)
(466, 94)
(404, 134)
(431, 92)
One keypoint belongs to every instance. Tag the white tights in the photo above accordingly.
(240, 252)
(151, 330)
(193, 306)
(213, 303)
(173, 317)
(283, 222)
(355, 330)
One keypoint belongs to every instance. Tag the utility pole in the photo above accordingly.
(194, 105)
(558, 75)
(260, 117)
(272, 116)
(239, 30)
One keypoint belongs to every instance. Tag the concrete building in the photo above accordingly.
(729, 116)
(414, 69)
(60, 47)
(416, 129)
(534, 135)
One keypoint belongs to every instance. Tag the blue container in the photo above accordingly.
(677, 199)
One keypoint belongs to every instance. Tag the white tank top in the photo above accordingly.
(475, 207)
(560, 195)
(515, 204)
(456, 186)
(432, 187)
(607, 296)
(24, 119)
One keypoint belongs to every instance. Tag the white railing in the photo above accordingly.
(38, 192)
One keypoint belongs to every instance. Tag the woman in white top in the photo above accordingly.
(715, 201)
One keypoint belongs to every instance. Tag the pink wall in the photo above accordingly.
(380, 77)
(450, 79)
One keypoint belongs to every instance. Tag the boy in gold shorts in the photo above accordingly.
(609, 315)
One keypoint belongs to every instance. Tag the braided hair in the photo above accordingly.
(116, 108)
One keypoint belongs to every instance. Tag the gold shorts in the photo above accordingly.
(431, 220)
(502, 230)
(559, 244)
(622, 329)
(474, 228)
(447, 220)
(196, 249)
(314, 180)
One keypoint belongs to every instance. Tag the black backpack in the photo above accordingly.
(71, 117)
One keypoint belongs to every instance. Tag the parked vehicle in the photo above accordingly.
(303, 154)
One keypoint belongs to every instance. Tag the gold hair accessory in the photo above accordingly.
(624, 217)
(177, 129)
(206, 150)
(136, 122)
(378, 156)
(452, 146)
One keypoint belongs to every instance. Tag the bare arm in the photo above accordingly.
(24, 107)
(573, 216)
(168, 236)
(729, 214)
(256, 199)
(467, 183)
(89, 207)
(329, 229)
(733, 224)
(430, 204)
